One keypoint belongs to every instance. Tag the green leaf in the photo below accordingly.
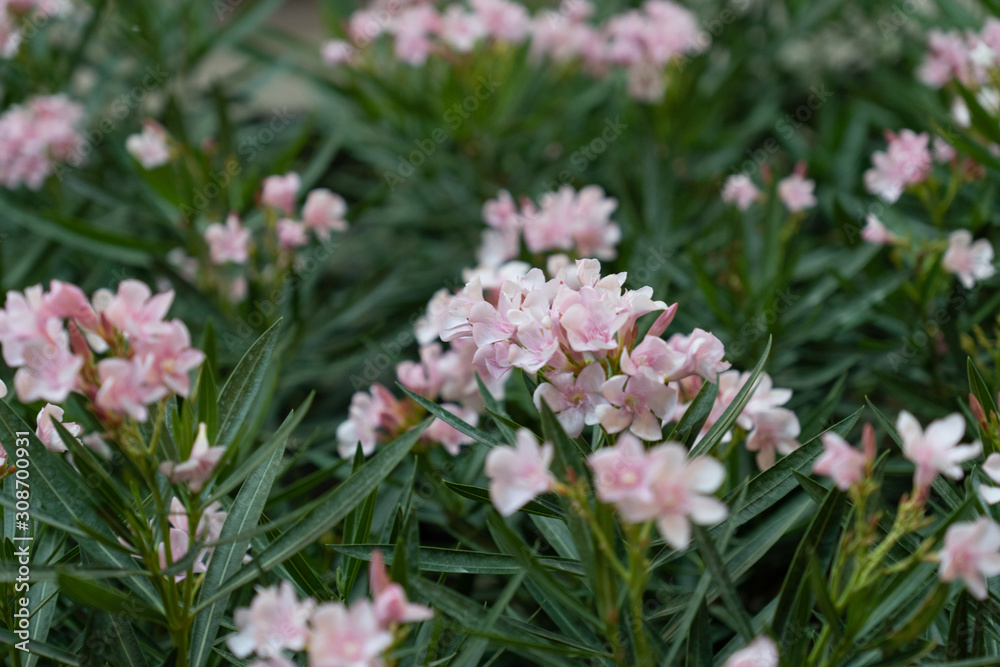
(241, 388)
(732, 413)
(227, 558)
(456, 561)
(455, 422)
(57, 487)
(125, 646)
(776, 482)
(40, 649)
(537, 506)
(690, 425)
(324, 513)
(714, 565)
(819, 537)
(105, 598)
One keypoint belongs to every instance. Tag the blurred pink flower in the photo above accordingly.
(347, 637)
(971, 552)
(461, 29)
(841, 462)
(700, 354)
(228, 243)
(622, 471)
(274, 621)
(391, 604)
(448, 436)
(741, 191)
(292, 234)
(876, 232)
(197, 468)
(774, 432)
(518, 474)
(936, 450)
(324, 212)
(136, 311)
(49, 371)
(503, 20)
(280, 192)
(125, 387)
(796, 192)
(761, 652)
(906, 162)
(971, 262)
(150, 147)
(337, 52)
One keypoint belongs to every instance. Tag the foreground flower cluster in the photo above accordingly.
(643, 42)
(35, 137)
(333, 634)
(117, 350)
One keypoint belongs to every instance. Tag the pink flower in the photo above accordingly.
(773, 431)
(229, 243)
(149, 147)
(947, 59)
(574, 400)
(796, 193)
(461, 29)
(761, 652)
(841, 462)
(69, 302)
(3, 389)
(135, 310)
(27, 320)
(46, 430)
(37, 135)
(935, 450)
(448, 436)
(536, 346)
(171, 357)
(971, 552)
(324, 212)
(969, 261)
(391, 604)
(518, 474)
(49, 371)
(621, 472)
(347, 637)
(180, 543)
(280, 192)
(652, 357)
(503, 20)
(593, 321)
(292, 234)
(198, 467)
(637, 403)
(679, 493)
(992, 469)
(125, 387)
(338, 52)
(906, 162)
(698, 354)
(369, 415)
(876, 232)
(741, 191)
(275, 621)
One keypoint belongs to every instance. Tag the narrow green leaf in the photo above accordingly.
(456, 561)
(714, 565)
(237, 396)
(228, 558)
(538, 506)
(455, 422)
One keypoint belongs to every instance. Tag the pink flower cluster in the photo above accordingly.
(35, 136)
(564, 221)
(322, 213)
(969, 58)
(333, 634)
(641, 41)
(118, 351)
(906, 162)
(795, 191)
